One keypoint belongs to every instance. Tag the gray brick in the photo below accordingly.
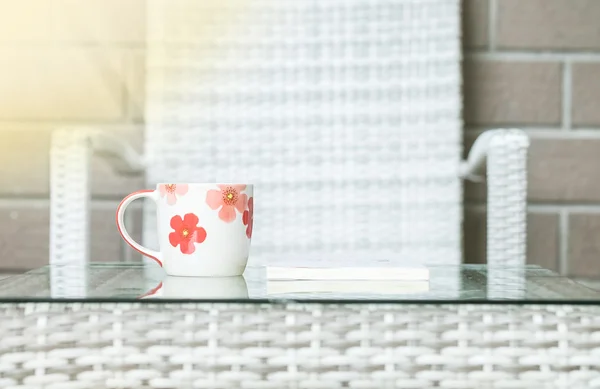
(24, 235)
(559, 170)
(24, 161)
(61, 84)
(508, 93)
(584, 245)
(106, 243)
(474, 236)
(586, 94)
(548, 24)
(25, 21)
(542, 240)
(136, 86)
(93, 21)
(24, 157)
(563, 170)
(475, 23)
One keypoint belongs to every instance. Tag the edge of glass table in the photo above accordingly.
(136, 282)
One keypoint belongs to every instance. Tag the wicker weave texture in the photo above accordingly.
(70, 154)
(279, 346)
(345, 114)
(507, 198)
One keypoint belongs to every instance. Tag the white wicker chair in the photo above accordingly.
(345, 114)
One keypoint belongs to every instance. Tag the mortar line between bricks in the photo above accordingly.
(544, 208)
(126, 85)
(492, 12)
(573, 208)
(45, 203)
(566, 95)
(475, 206)
(551, 132)
(86, 45)
(52, 123)
(8, 198)
(533, 56)
(563, 242)
(29, 203)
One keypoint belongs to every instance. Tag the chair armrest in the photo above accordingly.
(71, 151)
(503, 153)
(473, 169)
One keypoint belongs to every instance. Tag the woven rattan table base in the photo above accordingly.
(293, 345)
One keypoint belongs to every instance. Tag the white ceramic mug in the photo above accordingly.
(203, 229)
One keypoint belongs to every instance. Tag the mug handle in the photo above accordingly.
(151, 194)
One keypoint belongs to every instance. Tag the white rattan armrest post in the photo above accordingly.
(70, 158)
(505, 153)
(507, 198)
(70, 153)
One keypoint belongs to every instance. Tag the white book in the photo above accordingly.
(404, 273)
(347, 286)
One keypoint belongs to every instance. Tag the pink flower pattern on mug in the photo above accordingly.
(171, 191)
(228, 198)
(248, 217)
(186, 233)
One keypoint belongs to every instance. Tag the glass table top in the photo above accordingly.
(446, 284)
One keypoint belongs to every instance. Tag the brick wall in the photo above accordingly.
(64, 63)
(533, 64)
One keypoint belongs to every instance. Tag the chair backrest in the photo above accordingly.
(345, 114)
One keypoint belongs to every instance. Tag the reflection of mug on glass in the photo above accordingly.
(203, 229)
(218, 288)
